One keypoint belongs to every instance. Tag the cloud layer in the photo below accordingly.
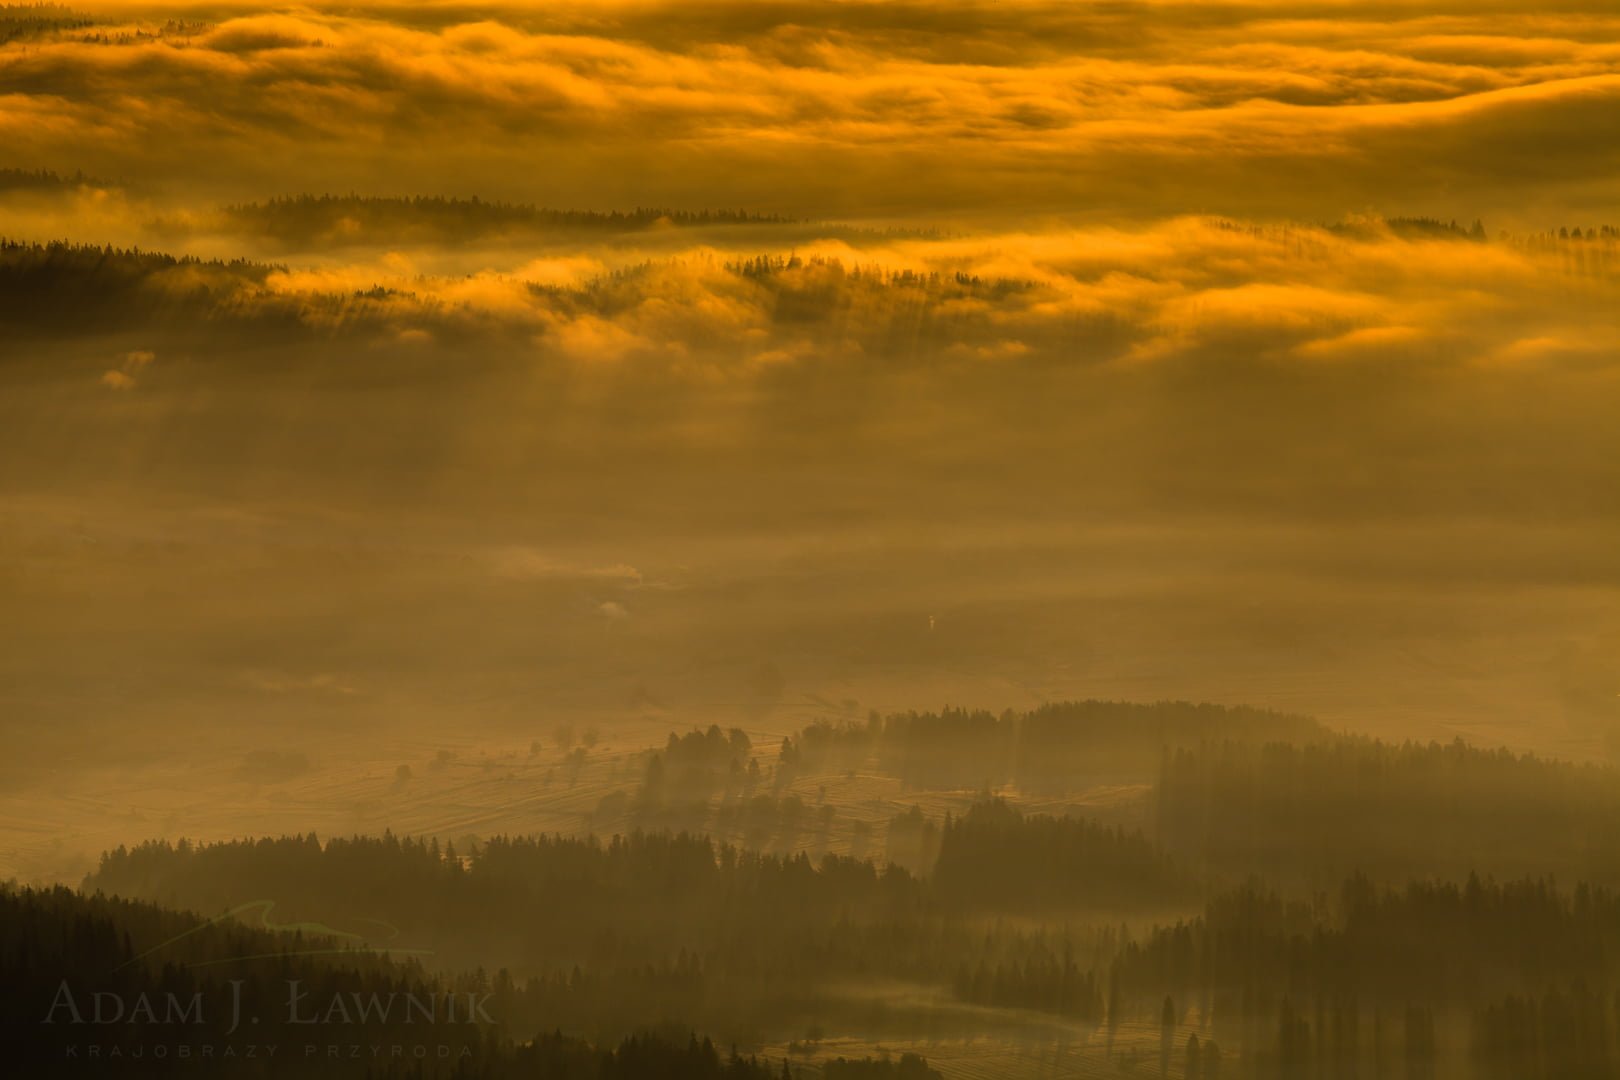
(1401, 298)
(852, 108)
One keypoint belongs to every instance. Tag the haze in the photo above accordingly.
(1143, 361)
(907, 541)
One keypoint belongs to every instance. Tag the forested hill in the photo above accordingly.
(1055, 748)
(98, 986)
(331, 220)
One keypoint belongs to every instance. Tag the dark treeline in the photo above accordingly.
(694, 767)
(912, 840)
(757, 821)
(611, 934)
(822, 271)
(711, 782)
(1054, 984)
(1576, 234)
(383, 219)
(783, 824)
(170, 28)
(1590, 252)
(1560, 1032)
(18, 21)
(60, 290)
(906, 314)
(802, 292)
(995, 858)
(1420, 977)
(1057, 748)
(1428, 980)
(1401, 917)
(1413, 228)
(992, 858)
(1223, 810)
(786, 989)
(1318, 812)
(656, 927)
(95, 985)
(1425, 942)
(59, 285)
(39, 179)
(61, 264)
(648, 893)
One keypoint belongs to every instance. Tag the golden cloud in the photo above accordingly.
(1145, 110)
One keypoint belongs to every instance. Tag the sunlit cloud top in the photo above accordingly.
(849, 109)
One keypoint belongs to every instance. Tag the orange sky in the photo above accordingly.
(1500, 110)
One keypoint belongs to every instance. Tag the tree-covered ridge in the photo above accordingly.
(61, 287)
(1444, 977)
(1057, 747)
(61, 260)
(697, 764)
(1317, 812)
(20, 22)
(1426, 972)
(711, 782)
(1221, 808)
(60, 290)
(172, 977)
(675, 927)
(43, 179)
(1225, 794)
(994, 858)
(1422, 941)
(355, 219)
(67, 290)
(1413, 228)
(1560, 1031)
(676, 890)
(1229, 793)
(782, 268)
(695, 307)
(54, 286)
(188, 983)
